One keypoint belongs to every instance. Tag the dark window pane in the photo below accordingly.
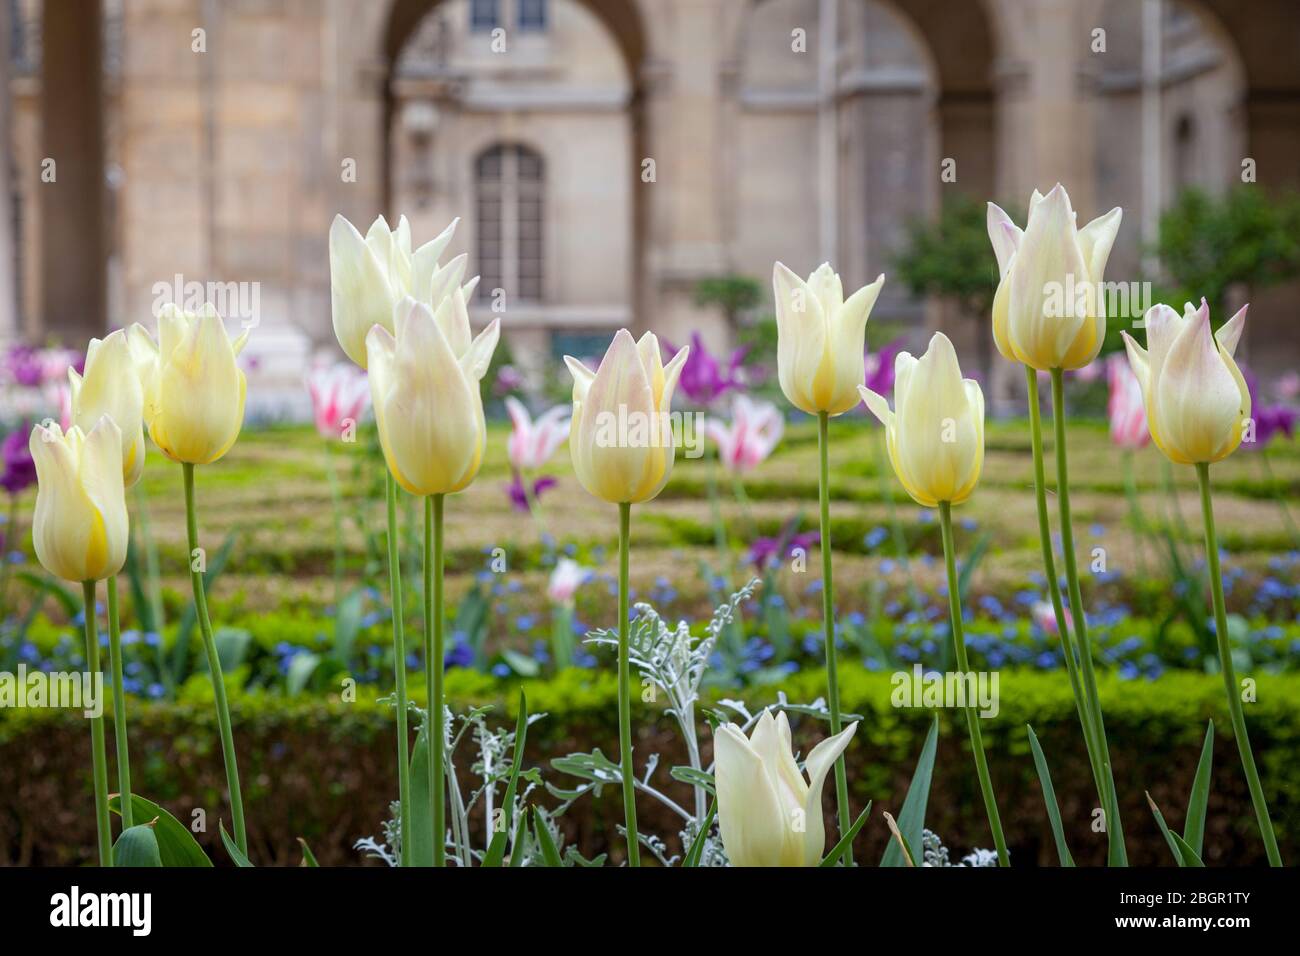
(483, 14)
(532, 14)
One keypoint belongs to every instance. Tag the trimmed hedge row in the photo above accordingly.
(324, 770)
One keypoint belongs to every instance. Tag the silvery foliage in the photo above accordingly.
(490, 769)
(934, 853)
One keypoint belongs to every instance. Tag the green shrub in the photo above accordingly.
(318, 768)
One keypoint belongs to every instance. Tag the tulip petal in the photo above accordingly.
(1229, 333)
(817, 766)
(478, 358)
(1005, 236)
(361, 295)
(750, 816)
(801, 337)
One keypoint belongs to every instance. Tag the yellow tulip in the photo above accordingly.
(424, 384)
(111, 386)
(80, 528)
(620, 437)
(935, 434)
(821, 357)
(1196, 399)
(769, 814)
(193, 386)
(1049, 311)
(370, 276)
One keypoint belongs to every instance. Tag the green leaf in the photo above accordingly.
(1164, 828)
(176, 844)
(301, 668)
(421, 810)
(1194, 824)
(521, 664)
(137, 846)
(911, 819)
(1189, 856)
(840, 848)
(694, 777)
(519, 848)
(1049, 797)
(308, 857)
(497, 848)
(549, 852)
(232, 847)
(696, 851)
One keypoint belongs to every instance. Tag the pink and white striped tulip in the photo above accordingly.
(567, 577)
(532, 442)
(340, 394)
(752, 435)
(1127, 412)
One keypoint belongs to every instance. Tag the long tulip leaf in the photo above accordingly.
(176, 845)
(1194, 825)
(137, 846)
(696, 851)
(1049, 797)
(308, 857)
(911, 819)
(839, 849)
(550, 853)
(421, 826)
(1164, 828)
(497, 848)
(232, 847)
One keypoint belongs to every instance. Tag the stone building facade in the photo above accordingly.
(604, 155)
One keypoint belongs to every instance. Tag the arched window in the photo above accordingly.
(508, 199)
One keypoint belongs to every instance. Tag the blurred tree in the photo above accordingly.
(733, 294)
(950, 257)
(1208, 244)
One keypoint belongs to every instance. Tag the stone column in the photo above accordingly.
(74, 246)
(8, 287)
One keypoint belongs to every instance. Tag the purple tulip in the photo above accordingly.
(703, 380)
(15, 456)
(765, 552)
(1270, 420)
(519, 494)
(880, 367)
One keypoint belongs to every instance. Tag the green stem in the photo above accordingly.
(1081, 703)
(828, 619)
(972, 718)
(119, 703)
(153, 574)
(1136, 519)
(214, 664)
(99, 759)
(336, 499)
(399, 669)
(1229, 674)
(626, 768)
(1114, 829)
(433, 655)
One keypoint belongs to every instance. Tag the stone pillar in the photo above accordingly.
(74, 246)
(8, 284)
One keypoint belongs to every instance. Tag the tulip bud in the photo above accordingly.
(111, 386)
(620, 437)
(1125, 407)
(935, 434)
(193, 386)
(532, 443)
(80, 527)
(1196, 398)
(1049, 311)
(370, 277)
(820, 338)
(769, 814)
(424, 385)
